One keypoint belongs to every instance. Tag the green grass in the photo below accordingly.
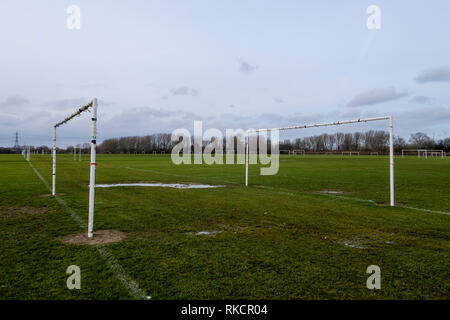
(280, 239)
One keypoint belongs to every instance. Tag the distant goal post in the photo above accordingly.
(350, 153)
(424, 153)
(91, 105)
(299, 151)
(337, 123)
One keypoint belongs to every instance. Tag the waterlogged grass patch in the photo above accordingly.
(100, 237)
(163, 185)
(331, 191)
(207, 233)
(369, 242)
(356, 243)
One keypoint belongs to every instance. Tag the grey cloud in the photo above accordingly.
(149, 112)
(67, 103)
(184, 91)
(440, 74)
(83, 86)
(9, 120)
(271, 117)
(376, 96)
(246, 67)
(304, 118)
(105, 103)
(70, 103)
(423, 100)
(144, 120)
(278, 100)
(92, 86)
(14, 101)
(427, 116)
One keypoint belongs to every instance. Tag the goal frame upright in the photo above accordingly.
(337, 123)
(93, 104)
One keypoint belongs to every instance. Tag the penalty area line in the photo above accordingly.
(127, 281)
(354, 199)
(380, 205)
(426, 210)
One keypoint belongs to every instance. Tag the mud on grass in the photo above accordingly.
(100, 237)
(21, 212)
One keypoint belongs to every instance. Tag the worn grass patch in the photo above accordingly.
(100, 237)
(332, 192)
(20, 212)
(47, 195)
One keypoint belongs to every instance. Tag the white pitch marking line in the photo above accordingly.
(127, 281)
(358, 199)
(426, 210)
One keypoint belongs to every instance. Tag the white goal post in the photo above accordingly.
(299, 151)
(93, 164)
(350, 153)
(424, 153)
(391, 144)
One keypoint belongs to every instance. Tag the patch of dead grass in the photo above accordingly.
(20, 212)
(388, 204)
(100, 237)
(47, 195)
(326, 191)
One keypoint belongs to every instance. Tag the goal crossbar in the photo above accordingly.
(77, 113)
(336, 123)
(93, 164)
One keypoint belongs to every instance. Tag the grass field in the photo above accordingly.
(280, 237)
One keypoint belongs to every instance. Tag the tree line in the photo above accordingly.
(368, 141)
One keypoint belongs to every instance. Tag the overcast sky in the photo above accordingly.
(159, 65)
